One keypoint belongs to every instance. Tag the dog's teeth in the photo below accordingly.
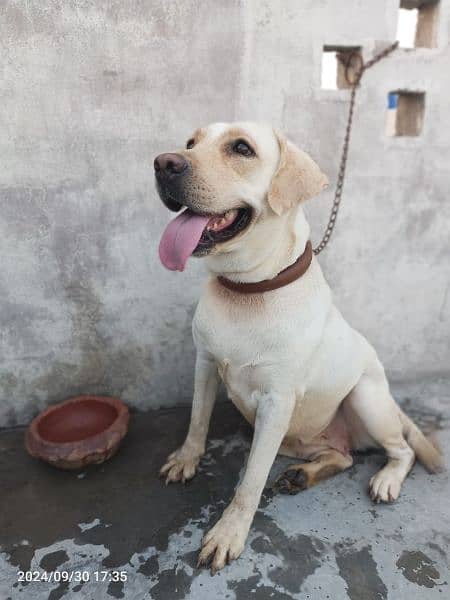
(218, 223)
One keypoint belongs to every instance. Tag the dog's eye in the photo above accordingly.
(190, 144)
(241, 147)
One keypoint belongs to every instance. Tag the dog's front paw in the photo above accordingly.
(181, 465)
(226, 540)
(385, 486)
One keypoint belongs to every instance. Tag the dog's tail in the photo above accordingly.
(427, 450)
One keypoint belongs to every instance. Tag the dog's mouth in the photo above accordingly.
(192, 233)
(221, 228)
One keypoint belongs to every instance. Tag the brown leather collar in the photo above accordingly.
(283, 278)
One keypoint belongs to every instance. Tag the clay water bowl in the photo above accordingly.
(78, 432)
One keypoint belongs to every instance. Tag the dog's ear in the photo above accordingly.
(296, 179)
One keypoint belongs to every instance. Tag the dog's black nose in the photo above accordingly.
(170, 165)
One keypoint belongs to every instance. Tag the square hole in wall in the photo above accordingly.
(405, 113)
(417, 23)
(335, 60)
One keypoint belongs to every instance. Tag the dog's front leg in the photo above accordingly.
(226, 540)
(182, 464)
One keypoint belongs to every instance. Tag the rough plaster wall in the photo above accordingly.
(91, 90)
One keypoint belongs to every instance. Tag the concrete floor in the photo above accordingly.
(330, 542)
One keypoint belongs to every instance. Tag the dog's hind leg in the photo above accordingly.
(373, 404)
(302, 476)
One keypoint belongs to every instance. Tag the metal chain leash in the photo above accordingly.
(354, 83)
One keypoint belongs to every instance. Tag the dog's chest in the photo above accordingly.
(239, 345)
(247, 354)
(253, 339)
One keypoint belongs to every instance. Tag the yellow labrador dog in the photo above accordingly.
(312, 387)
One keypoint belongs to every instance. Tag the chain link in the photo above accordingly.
(354, 83)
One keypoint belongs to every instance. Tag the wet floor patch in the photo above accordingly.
(359, 571)
(418, 568)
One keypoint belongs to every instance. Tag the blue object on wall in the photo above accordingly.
(392, 100)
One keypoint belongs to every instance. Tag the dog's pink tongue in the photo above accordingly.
(180, 239)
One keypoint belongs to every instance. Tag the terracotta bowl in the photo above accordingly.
(78, 432)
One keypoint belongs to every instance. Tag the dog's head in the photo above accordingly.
(231, 179)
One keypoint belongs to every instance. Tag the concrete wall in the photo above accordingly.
(91, 90)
